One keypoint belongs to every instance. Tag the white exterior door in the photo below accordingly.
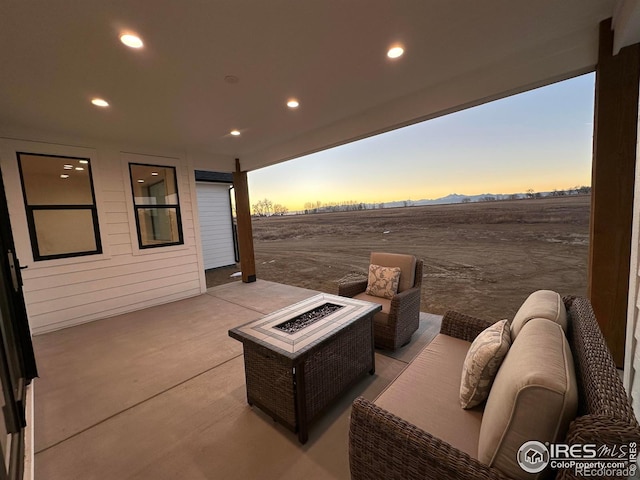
(216, 230)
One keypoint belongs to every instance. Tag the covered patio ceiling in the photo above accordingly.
(175, 94)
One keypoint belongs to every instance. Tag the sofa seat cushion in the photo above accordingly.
(381, 317)
(427, 392)
(541, 304)
(534, 397)
(407, 264)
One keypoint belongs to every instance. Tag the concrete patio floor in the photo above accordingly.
(160, 394)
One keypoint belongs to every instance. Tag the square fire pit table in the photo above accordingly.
(297, 361)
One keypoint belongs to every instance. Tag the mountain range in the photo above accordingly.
(457, 198)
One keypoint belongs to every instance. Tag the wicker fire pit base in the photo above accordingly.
(293, 376)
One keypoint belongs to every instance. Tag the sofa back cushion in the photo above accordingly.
(541, 304)
(407, 264)
(534, 397)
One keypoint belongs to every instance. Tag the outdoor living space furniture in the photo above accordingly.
(300, 358)
(552, 386)
(400, 314)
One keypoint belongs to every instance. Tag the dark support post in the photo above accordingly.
(613, 175)
(245, 233)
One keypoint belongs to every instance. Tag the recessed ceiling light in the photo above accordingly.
(131, 41)
(64, 175)
(155, 174)
(99, 102)
(235, 133)
(293, 103)
(140, 181)
(395, 52)
(79, 168)
(68, 167)
(84, 161)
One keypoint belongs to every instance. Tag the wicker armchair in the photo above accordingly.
(400, 316)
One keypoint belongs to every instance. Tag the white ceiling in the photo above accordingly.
(330, 54)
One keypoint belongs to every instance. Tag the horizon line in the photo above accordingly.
(353, 205)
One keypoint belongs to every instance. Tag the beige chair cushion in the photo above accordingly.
(407, 264)
(383, 281)
(426, 395)
(482, 363)
(381, 317)
(534, 397)
(540, 304)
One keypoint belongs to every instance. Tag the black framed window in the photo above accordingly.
(156, 204)
(60, 204)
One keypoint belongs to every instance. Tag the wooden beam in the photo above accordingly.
(613, 174)
(243, 218)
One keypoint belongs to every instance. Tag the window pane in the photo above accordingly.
(66, 231)
(60, 204)
(56, 180)
(158, 226)
(153, 185)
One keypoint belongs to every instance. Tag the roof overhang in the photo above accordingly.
(172, 95)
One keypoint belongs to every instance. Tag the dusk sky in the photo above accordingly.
(540, 140)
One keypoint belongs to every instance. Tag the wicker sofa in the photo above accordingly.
(388, 439)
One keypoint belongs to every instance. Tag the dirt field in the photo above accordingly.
(480, 258)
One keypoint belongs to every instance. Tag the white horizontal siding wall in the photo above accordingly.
(70, 291)
(216, 230)
(632, 354)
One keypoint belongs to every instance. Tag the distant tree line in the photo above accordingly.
(577, 190)
(344, 206)
(266, 208)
